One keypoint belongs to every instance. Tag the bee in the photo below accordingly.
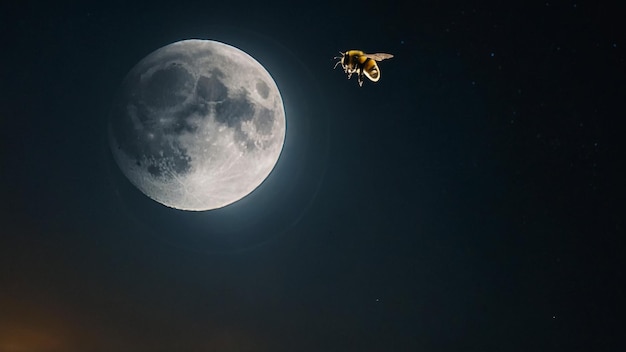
(356, 61)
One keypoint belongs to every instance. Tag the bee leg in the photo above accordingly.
(360, 78)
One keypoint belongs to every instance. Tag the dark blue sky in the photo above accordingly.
(470, 200)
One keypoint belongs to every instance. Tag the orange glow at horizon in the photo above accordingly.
(18, 339)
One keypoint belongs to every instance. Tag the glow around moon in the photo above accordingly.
(197, 125)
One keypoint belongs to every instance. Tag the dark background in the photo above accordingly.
(471, 200)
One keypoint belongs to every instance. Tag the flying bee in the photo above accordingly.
(356, 61)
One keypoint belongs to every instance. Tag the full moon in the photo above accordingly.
(197, 125)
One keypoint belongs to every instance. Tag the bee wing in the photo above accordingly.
(379, 56)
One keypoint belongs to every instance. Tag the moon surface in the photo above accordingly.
(197, 125)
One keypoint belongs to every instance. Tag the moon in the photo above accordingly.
(197, 125)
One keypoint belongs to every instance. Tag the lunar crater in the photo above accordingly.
(264, 122)
(211, 89)
(167, 163)
(167, 87)
(234, 110)
(263, 89)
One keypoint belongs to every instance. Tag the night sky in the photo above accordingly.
(471, 200)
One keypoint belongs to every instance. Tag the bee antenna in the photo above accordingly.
(340, 57)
